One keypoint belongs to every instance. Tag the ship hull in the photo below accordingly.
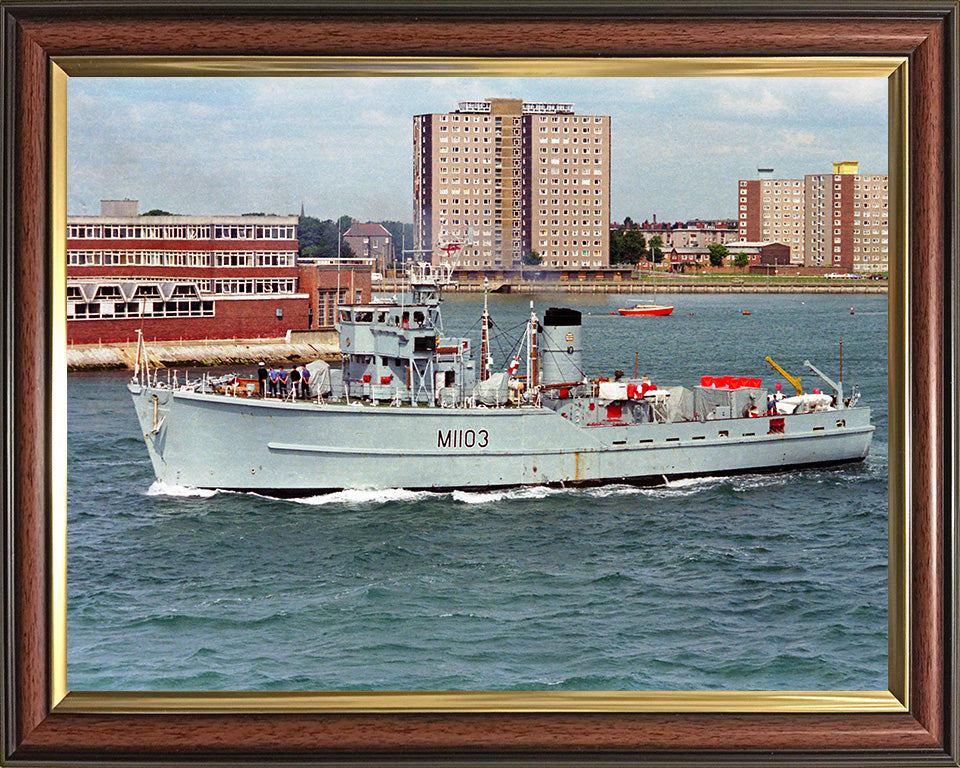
(283, 448)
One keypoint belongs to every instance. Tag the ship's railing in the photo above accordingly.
(429, 274)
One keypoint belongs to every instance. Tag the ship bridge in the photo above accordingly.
(397, 351)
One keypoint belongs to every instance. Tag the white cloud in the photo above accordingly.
(343, 144)
(791, 138)
(762, 104)
(856, 91)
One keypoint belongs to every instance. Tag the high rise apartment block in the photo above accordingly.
(502, 177)
(847, 220)
(772, 210)
(835, 220)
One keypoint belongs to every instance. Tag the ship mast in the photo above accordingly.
(141, 370)
(486, 362)
(533, 368)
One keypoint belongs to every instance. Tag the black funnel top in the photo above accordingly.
(561, 316)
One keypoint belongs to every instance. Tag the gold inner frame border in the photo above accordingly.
(894, 700)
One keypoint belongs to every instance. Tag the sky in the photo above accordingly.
(344, 145)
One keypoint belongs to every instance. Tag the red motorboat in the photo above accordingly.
(646, 309)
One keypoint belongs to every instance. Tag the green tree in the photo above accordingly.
(656, 248)
(157, 212)
(616, 246)
(319, 239)
(532, 258)
(718, 252)
(402, 233)
(310, 234)
(634, 245)
(344, 223)
(741, 260)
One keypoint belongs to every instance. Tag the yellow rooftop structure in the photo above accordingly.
(846, 167)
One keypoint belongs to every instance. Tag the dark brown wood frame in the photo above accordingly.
(925, 32)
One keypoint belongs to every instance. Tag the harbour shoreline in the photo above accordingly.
(304, 346)
(594, 286)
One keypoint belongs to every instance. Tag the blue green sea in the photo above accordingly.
(758, 582)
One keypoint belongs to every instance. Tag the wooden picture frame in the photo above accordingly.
(40, 727)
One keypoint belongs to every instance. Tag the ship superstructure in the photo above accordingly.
(411, 408)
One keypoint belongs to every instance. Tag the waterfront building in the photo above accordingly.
(685, 234)
(330, 283)
(499, 178)
(680, 257)
(758, 254)
(190, 277)
(835, 220)
(691, 235)
(370, 241)
(766, 254)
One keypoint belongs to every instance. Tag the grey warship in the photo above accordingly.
(410, 408)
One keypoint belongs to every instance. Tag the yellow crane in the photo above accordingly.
(795, 380)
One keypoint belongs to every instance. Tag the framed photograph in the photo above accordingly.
(914, 48)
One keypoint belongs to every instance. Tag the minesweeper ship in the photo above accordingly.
(409, 408)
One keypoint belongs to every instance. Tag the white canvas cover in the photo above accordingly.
(734, 402)
(613, 390)
(319, 378)
(494, 391)
(679, 404)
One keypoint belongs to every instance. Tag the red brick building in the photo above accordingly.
(329, 285)
(188, 277)
(760, 254)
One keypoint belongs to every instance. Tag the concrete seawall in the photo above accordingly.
(296, 348)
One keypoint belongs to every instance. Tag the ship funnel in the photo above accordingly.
(561, 349)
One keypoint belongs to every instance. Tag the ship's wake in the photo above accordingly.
(523, 493)
(677, 488)
(160, 488)
(362, 497)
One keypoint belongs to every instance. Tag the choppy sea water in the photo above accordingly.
(759, 582)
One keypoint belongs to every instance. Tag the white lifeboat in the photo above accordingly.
(804, 403)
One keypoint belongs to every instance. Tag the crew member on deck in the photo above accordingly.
(274, 381)
(262, 379)
(294, 382)
(305, 382)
